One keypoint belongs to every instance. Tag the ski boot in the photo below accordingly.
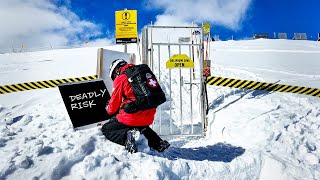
(163, 146)
(130, 144)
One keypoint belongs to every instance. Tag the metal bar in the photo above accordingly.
(151, 56)
(196, 27)
(159, 78)
(145, 51)
(202, 83)
(125, 48)
(191, 111)
(192, 42)
(159, 63)
(151, 61)
(176, 44)
(180, 87)
(147, 46)
(170, 94)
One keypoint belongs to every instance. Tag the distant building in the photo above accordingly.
(300, 36)
(260, 36)
(215, 38)
(318, 36)
(282, 36)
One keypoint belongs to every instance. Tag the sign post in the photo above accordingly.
(126, 27)
(207, 62)
(206, 28)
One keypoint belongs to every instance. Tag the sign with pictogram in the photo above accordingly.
(179, 61)
(206, 28)
(206, 72)
(152, 82)
(126, 26)
(206, 68)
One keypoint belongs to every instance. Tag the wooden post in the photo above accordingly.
(99, 63)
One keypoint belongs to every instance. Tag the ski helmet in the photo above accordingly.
(115, 66)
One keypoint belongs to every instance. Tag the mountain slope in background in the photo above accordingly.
(251, 134)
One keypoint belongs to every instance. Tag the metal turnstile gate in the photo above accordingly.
(183, 114)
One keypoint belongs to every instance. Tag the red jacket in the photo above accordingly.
(122, 87)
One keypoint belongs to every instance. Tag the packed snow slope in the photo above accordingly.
(250, 135)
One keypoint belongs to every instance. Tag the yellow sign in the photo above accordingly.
(179, 61)
(126, 26)
(206, 28)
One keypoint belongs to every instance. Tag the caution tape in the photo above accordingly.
(254, 85)
(41, 84)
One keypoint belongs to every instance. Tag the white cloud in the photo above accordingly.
(100, 42)
(39, 23)
(170, 20)
(228, 13)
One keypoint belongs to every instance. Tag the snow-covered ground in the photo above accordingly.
(251, 134)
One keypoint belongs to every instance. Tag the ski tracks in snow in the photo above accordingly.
(275, 119)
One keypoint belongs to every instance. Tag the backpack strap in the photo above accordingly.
(125, 106)
(133, 71)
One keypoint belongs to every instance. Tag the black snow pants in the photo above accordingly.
(116, 132)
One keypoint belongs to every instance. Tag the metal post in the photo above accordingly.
(180, 87)
(151, 49)
(191, 111)
(193, 71)
(125, 48)
(145, 51)
(125, 45)
(159, 78)
(201, 81)
(170, 94)
(151, 56)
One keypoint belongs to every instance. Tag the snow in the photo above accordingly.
(251, 134)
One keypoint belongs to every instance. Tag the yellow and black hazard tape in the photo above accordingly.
(41, 84)
(254, 85)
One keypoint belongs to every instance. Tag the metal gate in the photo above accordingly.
(183, 114)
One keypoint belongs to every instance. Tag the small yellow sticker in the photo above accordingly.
(179, 61)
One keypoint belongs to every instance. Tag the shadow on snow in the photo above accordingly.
(218, 152)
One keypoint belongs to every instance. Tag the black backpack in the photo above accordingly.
(146, 89)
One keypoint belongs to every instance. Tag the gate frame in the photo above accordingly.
(147, 58)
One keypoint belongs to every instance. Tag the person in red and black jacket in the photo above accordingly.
(123, 127)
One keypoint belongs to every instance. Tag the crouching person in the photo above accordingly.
(130, 115)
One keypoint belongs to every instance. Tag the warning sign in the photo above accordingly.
(85, 102)
(179, 61)
(126, 26)
(206, 28)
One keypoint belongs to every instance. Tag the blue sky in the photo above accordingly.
(39, 23)
(260, 17)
